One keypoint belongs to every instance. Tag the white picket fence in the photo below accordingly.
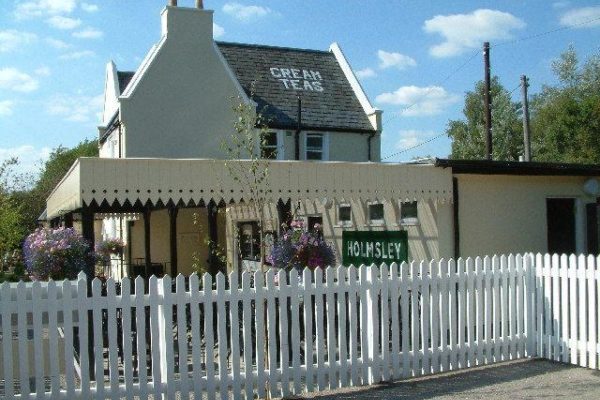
(284, 334)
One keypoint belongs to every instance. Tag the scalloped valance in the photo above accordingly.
(132, 180)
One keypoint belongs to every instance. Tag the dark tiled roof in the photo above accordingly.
(269, 69)
(124, 78)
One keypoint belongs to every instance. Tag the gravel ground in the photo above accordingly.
(531, 379)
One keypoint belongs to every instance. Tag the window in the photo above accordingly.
(249, 241)
(314, 220)
(316, 146)
(345, 214)
(269, 146)
(376, 213)
(409, 214)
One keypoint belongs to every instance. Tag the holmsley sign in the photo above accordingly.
(377, 247)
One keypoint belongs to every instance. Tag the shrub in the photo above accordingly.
(56, 254)
(298, 249)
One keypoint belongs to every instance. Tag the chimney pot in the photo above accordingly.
(173, 3)
(199, 4)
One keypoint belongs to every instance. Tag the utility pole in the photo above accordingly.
(526, 132)
(487, 100)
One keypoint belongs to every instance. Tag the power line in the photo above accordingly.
(414, 147)
(463, 65)
(541, 34)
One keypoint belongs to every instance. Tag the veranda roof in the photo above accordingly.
(133, 181)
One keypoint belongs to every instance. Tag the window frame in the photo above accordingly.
(341, 222)
(409, 221)
(279, 146)
(324, 147)
(375, 222)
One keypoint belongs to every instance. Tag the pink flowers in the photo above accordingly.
(56, 253)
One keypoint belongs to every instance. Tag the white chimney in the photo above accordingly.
(183, 23)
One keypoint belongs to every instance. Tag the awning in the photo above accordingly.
(132, 180)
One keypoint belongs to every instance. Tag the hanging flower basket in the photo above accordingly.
(298, 248)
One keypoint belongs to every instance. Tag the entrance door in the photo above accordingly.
(560, 216)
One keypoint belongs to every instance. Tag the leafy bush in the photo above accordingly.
(56, 254)
(298, 248)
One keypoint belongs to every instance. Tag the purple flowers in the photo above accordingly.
(56, 253)
(299, 249)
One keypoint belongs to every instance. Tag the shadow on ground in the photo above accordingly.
(531, 379)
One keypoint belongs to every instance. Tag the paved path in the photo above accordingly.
(532, 379)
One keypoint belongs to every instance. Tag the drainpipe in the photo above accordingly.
(298, 129)
(119, 142)
(371, 136)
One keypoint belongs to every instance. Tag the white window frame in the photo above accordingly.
(347, 223)
(410, 221)
(375, 222)
(324, 150)
(280, 135)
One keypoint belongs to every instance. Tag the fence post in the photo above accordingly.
(529, 266)
(373, 326)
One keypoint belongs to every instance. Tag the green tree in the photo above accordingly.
(52, 171)
(468, 135)
(12, 229)
(566, 117)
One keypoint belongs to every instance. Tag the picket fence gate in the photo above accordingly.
(282, 333)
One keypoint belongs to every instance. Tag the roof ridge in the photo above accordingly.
(265, 46)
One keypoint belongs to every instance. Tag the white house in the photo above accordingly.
(162, 185)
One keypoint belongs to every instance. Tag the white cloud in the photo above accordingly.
(43, 71)
(63, 23)
(218, 31)
(419, 101)
(467, 31)
(245, 13)
(15, 80)
(30, 157)
(76, 55)
(12, 40)
(38, 8)
(579, 17)
(76, 108)
(91, 8)
(88, 33)
(57, 43)
(396, 60)
(412, 137)
(365, 73)
(6, 108)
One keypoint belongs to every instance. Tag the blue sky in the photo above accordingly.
(419, 54)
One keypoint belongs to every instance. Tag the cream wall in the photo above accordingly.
(343, 146)
(431, 238)
(501, 214)
(182, 105)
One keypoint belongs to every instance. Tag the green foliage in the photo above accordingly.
(566, 117)
(468, 135)
(12, 227)
(52, 171)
